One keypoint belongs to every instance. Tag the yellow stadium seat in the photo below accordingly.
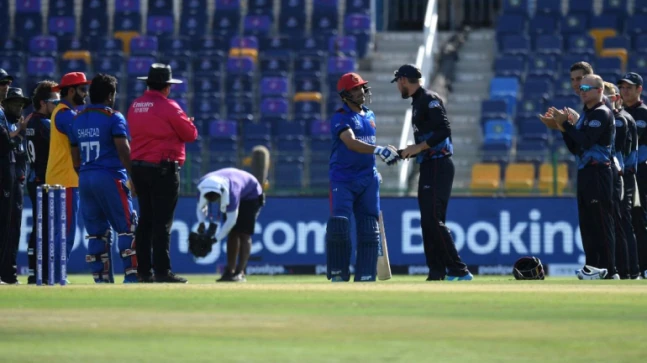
(600, 35)
(125, 37)
(519, 179)
(244, 52)
(486, 179)
(307, 96)
(547, 179)
(616, 52)
(83, 55)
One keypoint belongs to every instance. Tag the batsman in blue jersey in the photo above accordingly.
(354, 183)
(101, 154)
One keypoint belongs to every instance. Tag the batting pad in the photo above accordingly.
(338, 248)
(368, 240)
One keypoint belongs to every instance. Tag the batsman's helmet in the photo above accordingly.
(349, 81)
(528, 268)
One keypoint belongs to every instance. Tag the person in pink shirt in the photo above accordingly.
(159, 129)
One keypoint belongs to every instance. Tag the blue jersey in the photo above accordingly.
(92, 132)
(347, 165)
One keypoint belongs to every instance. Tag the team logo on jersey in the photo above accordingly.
(642, 124)
(357, 125)
(595, 123)
(619, 123)
(434, 103)
(372, 121)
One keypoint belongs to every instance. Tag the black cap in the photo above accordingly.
(16, 93)
(4, 76)
(632, 78)
(160, 73)
(407, 71)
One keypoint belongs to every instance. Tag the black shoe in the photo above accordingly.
(170, 278)
(239, 277)
(435, 278)
(227, 276)
(148, 279)
(31, 280)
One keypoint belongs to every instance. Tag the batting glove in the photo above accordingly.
(388, 154)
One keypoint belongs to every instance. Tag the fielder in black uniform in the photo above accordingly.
(630, 89)
(590, 139)
(433, 151)
(37, 132)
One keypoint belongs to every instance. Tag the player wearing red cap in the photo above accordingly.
(60, 169)
(354, 183)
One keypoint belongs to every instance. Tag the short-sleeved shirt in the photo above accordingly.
(38, 131)
(345, 164)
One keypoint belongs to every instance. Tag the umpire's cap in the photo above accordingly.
(4, 76)
(407, 71)
(16, 93)
(349, 81)
(160, 73)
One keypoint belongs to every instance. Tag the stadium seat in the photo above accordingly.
(549, 7)
(81, 55)
(41, 66)
(193, 25)
(127, 22)
(519, 178)
(307, 84)
(342, 46)
(288, 128)
(608, 21)
(543, 65)
(211, 46)
(637, 24)
(274, 107)
(620, 41)
(615, 7)
(13, 46)
(548, 177)
(28, 25)
(207, 66)
(257, 24)
(600, 35)
(139, 66)
(43, 45)
(515, 44)
(94, 23)
(640, 7)
(325, 17)
(531, 128)
(160, 26)
(288, 175)
(609, 64)
(574, 24)
(61, 25)
(111, 64)
(579, 7)
(261, 7)
(531, 107)
(248, 41)
(516, 7)
(144, 45)
(240, 108)
(494, 109)
(614, 53)
(226, 22)
(543, 24)
(193, 6)
(338, 66)
(531, 150)
(176, 46)
(28, 6)
(498, 132)
(274, 87)
(307, 108)
(292, 23)
(160, 7)
(257, 130)
(14, 65)
(105, 46)
(486, 179)
(310, 46)
(125, 37)
(360, 27)
(240, 65)
(538, 88)
(307, 66)
(581, 44)
(274, 66)
(275, 46)
(128, 6)
(239, 84)
(549, 44)
(224, 135)
(509, 24)
(206, 107)
(504, 86)
(638, 63)
(208, 86)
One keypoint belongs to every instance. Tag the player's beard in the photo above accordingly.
(404, 92)
(78, 100)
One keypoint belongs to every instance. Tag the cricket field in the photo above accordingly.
(308, 319)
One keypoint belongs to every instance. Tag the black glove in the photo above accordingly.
(200, 243)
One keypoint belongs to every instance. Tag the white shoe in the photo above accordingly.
(637, 278)
(615, 277)
(592, 273)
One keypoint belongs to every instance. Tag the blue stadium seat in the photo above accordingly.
(60, 7)
(288, 175)
(4, 14)
(139, 66)
(342, 45)
(239, 84)
(44, 45)
(257, 24)
(111, 64)
(41, 66)
(206, 107)
(28, 25)
(134, 88)
(292, 24)
(248, 41)
(549, 7)
(543, 65)
(277, 66)
(538, 88)
(106, 46)
(179, 90)
(580, 7)
(612, 77)
(494, 109)
(144, 45)
(14, 65)
(510, 24)
(549, 44)
(71, 42)
(307, 83)
(639, 43)
(608, 65)
(94, 23)
(616, 7)
(193, 6)
(543, 24)
(617, 42)
(179, 64)
(531, 128)
(338, 66)
(275, 46)
(532, 151)
(498, 132)
(160, 25)
(94, 6)
(325, 23)
(531, 107)
(358, 7)
(193, 25)
(274, 107)
(334, 103)
(127, 6)
(72, 65)
(637, 24)
(211, 46)
(274, 87)
(28, 6)
(572, 101)
(305, 110)
(225, 133)
(640, 7)
(290, 145)
(257, 130)
(176, 46)
(504, 86)
(569, 59)
(160, 7)
(562, 86)
(260, 7)
(13, 46)
(250, 144)
(226, 22)
(574, 24)
(240, 65)
(208, 86)
(581, 44)
(515, 44)
(289, 128)
(315, 46)
(124, 21)
(307, 66)
(606, 21)
(359, 26)
(61, 25)
(207, 66)
(638, 63)
(240, 109)
(516, 7)
(293, 6)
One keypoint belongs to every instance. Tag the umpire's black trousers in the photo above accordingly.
(7, 250)
(622, 254)
(626, 209)
(595, 209)
(434, 190)
(157, 187)
(640, 215)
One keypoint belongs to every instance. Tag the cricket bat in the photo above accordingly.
(383, 265)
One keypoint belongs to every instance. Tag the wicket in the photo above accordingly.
(51, 191)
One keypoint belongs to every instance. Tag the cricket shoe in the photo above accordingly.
(468, 277)
(615, 277)
(592, 273)
(228, 276)
(170, 278)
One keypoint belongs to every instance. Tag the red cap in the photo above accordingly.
(349, 81)
(71, 79)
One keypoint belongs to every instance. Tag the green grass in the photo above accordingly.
(307, 319)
